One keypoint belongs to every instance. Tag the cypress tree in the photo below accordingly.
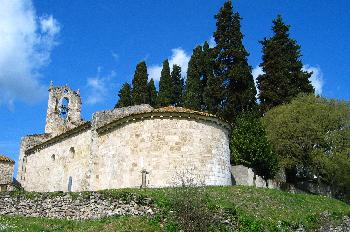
(125, 98)
(177, 85)
(212, 85)
(283, 76)
(232, 64)
(152, 93)
(206, 63)
(212, 95)
(193, 91)
(165, 86)
(139, 83)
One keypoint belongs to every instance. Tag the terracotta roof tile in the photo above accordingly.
(6, 159)
(182, 110)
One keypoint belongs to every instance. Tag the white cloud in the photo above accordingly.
(256, 72)
(154, 72)
(26, 42)
(98, 87)
(179, 57)
(49, 25)
(212, 42)
(115, 56)
(316, 78)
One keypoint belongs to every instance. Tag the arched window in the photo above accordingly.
(72, 152)
(64, 108)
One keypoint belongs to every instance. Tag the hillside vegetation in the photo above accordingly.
(231, 208)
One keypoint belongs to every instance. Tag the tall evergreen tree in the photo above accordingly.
(139, 83)
(152, 93)
(178, 85)
(165, 86)
(125, 98)
(211, 84)
(283, 76)
(193, 91)
(232, 64)
(206, 63)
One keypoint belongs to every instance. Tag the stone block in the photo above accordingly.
(272, 184)
(259, 182)
(242, 175)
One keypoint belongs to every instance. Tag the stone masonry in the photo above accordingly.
(121, 148)
(6, 173)
(79, 206)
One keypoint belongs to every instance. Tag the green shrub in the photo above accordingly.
(249, 146)
(312, 136)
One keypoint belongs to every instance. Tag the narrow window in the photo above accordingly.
(64, 108)
(70, 183)
(72, 152)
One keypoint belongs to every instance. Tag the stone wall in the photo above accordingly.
(168, 149)
(6, 172)
(78, 206)
(242, 175)
(129, 147)
(28, 142)
(56, 122)
(50, 168)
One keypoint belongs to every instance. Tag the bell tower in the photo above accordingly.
(64, 109)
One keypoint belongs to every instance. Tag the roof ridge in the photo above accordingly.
(6, 159)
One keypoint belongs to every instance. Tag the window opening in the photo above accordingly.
(72, 152)
(70, 183)
(64, 108)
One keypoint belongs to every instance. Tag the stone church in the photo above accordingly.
(136, 146)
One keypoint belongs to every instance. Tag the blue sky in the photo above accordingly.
(94, 46)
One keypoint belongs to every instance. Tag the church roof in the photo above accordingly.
(182, 110)
(103, 121)
(6, 159)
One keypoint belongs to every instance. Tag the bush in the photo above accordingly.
(312, 136)
(249, 146)
(190, 209)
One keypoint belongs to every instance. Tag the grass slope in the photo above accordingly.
(253, 209)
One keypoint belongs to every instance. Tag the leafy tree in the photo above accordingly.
(139, 82)
(311, 136)
(283, 76)
(249, 145)
(178, 85)
(165, 86)
(125, 98)
(232, 64)
(152, 93)
(193, 91)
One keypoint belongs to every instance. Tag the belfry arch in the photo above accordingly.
(63, 111)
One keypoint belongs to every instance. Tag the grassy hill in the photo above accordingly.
(229, 208)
